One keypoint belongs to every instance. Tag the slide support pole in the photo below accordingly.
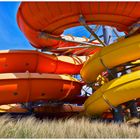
(133, 109)
(118, 114)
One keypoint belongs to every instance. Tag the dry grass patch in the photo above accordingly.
(70, 128)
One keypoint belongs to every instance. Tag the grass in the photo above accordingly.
(69, 128)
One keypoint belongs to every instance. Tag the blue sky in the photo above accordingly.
(10, 35)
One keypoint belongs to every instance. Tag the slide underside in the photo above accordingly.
(59, 111)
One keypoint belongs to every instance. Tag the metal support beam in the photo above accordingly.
(47, 36)
(118, 114)
(80, 51)
(67, 51)
(115, 32)
(107, 34)
(94, 30)
(71, 48)
(133, 108)
(76, 47)
(83, 22)
(133, 29)
(95, 39)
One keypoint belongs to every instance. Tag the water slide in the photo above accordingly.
(113, 93)
(34, 61)
(33, 18)
(34, 21)
(27, 76)
(115, 54)
(119, 90)
(29, 87)
(31, 76)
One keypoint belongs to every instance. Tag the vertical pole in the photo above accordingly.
(132, 105)
(107, 35)
(118, 114)
(133, 109)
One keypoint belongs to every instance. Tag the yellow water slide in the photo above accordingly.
(113, 93)
(115, 54)
(116, 91)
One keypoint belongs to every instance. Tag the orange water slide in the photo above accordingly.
(24, 76)
(27, 87)
(54, 17)
(34, 61)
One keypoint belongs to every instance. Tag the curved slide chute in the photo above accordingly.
(54, 17)
(115, 92)
(115, 54)
(119, 90)
(34, 61)
(53, 86)
(29, 87)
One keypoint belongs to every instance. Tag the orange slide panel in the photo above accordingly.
(34, 61)
(55, 17)
(28, 87)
